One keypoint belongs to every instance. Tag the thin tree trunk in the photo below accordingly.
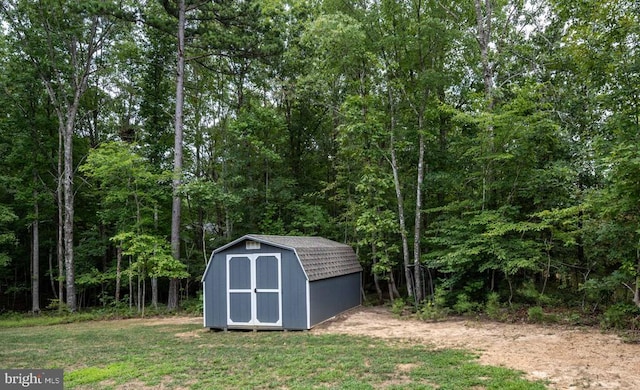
(139, 294)
(376, 279)
(118, 272)
(35, 262)
(177, 162)
(154, 292)
(60, 246)
(391, 281)
(204, 244)
(51, 277)
(130, 286)
(484, 13)
(636, 292)
(144, 294)
(154, 279)
(417, 274)
(399, 199)
(483, 36)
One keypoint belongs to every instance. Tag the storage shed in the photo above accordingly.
(279, 282)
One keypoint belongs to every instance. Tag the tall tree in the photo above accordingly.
(62, 40)
(177, 153)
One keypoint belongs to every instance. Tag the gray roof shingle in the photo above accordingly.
(321, 258)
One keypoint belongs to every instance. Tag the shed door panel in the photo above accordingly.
(267, 289)
(240, 273)
(267, 272)
(240, 307)
(254, 294)
(239, 276)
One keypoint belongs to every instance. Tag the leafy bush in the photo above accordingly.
(54, 304)
(493, 308)
(529, 294)
(535, 314)
(464, 305)
(436, 309)
(620, 316)
(398, 306)
(194, 306)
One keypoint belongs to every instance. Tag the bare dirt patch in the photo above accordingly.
(568, 358)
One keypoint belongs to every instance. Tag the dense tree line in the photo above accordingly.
(463, 148)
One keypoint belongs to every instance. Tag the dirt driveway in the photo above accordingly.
(569, 358)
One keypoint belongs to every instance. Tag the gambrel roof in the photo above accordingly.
(320, 258)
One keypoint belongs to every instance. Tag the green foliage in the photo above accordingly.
(608, 288)
(398, 307)
(536, 314)
(130, 191)
(464, 305)
(7, 237)
(492, 307)
(620, 316)
(193, 306)
(528, 293)
(152, 255)
(436, 309)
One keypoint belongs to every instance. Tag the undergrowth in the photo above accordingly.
(56, 316)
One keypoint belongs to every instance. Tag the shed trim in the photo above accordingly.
(308, 297)
(253, 289)
(204, 303)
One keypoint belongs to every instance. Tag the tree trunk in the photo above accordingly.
(636, 292)
(35, 253)
(483, 37)
(139, 294)
(60, 246)
(118, 273)
(154, 280)
(67, 190)
(154, 292)
(51, 277)
(392, 286)
(376, 279)
(399, 200)
(417, 274)
(130, 286)
(177, 154)
(173, 294)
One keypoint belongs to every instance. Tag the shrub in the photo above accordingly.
(194, 306)
(535, 314)
(492, 307)
(464, 305)
(620, 316)
(436, 309)
(398, 306)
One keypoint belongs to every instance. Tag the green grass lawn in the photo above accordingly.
(131, 354)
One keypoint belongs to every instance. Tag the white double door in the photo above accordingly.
(254, 296)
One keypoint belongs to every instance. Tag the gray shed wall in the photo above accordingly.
(329, 297)
(215, 300)
(294, 293)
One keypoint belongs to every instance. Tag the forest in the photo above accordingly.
(468, 150)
